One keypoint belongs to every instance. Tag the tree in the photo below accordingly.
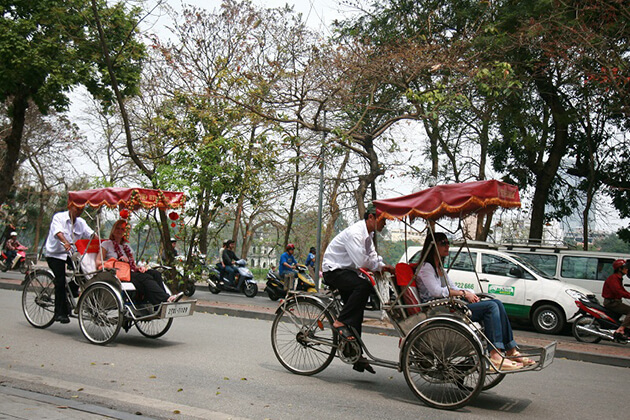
(49, 46)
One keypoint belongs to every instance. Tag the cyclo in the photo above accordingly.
(443, 354)
(102, 303)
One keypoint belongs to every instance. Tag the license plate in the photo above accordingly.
(550, 352)
(177, 309)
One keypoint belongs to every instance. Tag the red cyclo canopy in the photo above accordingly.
(131, 198)
(451, 200)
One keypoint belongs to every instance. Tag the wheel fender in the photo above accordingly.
(113, 289)
(312, 298)
(47, 271)
(442, 318)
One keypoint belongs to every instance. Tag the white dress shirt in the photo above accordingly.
(61, 222)
(352, 249)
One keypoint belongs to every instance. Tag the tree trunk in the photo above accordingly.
(17, 113)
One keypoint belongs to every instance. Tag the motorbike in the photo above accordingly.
(275, 286)
(217, 280)
(19, 262)
(594, 322)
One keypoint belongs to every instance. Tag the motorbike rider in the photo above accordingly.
(11, 247)
(613, 292)
(310, 261)
(287, 267)
(228, 260)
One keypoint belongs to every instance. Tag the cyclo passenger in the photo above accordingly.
(147, 282)
(66, 228)
(349, 251)
(613, 293)
(431, 281)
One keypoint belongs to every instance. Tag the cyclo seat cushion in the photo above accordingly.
(404, 276)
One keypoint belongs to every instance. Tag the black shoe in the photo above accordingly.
(619, 337)
(363, 365)
(62, 318)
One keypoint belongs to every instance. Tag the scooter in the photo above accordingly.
(275, 285)
(19, 262)
(217, 281)
(594, 322)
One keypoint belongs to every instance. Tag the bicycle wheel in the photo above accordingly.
(154, 328)
(443, 365)
(38, 299)
(302, 337)
(100, 314)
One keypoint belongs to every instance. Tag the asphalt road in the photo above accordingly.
(210, 366)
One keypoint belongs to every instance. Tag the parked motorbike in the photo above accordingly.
(275, 285)
(19, 262)
(217, 280)
(594, 322)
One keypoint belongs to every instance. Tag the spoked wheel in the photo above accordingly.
(100, 314)
(585, 336)
(38, 299)
(154, 328)
(492, 379)
(302, 337)
(443, 366)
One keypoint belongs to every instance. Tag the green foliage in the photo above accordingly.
(49, 46)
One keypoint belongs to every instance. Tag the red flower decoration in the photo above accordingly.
(173, 224)
(124, 213)
(173, 216)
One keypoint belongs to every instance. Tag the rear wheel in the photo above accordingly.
(584, 336)
(548, 319)
(302, 337)
(190, 288)
(154, 328)
(251, 289)
(38, 299)
(443, 365)
(100, 314)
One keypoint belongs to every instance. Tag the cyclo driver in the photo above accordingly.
(349, 251)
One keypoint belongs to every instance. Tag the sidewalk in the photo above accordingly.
(568, 347)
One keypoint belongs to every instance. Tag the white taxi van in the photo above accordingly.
(526, 292)
(587, 269)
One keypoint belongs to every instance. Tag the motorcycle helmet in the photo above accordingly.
(13, 233)
(617, 264)
(290, 246)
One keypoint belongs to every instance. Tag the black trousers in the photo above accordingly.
(354, 291)
(150, 285)
(58, 267)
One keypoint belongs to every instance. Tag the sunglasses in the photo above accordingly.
(444, 242)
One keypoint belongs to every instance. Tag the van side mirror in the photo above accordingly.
(516, 272)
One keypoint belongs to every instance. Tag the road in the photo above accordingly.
(210, 366)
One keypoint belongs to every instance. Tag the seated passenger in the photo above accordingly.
(147, 282)
(432, 280)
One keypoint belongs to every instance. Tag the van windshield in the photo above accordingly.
(532, 268)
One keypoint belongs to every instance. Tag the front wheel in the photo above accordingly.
(100, 314)
(584, 336)
(272, 295)
(23, 268)
(443, 365)
(154, 328)
(38, 299)
(548, 319)
(251, 289)
(302, 337)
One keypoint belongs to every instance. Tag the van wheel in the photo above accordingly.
(548, 319)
